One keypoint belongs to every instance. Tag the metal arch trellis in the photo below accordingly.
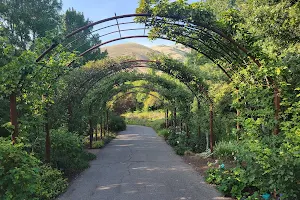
(135, 92)
(90, 112)
(222, 41)
(198, 27)
(138, 64)
(211, 135)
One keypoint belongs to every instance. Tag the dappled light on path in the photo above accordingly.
(140, 165)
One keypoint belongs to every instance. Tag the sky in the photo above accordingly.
(99, 9)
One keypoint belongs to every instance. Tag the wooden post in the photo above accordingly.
(91, 127)
(14, 116)
(211, 127)
(277, 109)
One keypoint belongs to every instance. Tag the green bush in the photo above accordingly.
(197, 143)
(23, 177)
(164, 133)
(52, 183)
(180, 142)
(231, 182)
(89, 156)
(98, 144)
(116, 123)
(226, 149)
(19, 172)
(67, 152)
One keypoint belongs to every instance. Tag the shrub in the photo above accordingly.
(67, 152)
(98, 144)
(226, 149)
(19, 172)
(23, 177)
(116, 123)
(52, 183)
(89, 156)
(164, 133)
(197, 143)
(231, 182)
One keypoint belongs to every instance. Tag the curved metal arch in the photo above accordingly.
(134, 87)
(202, 90)
(135, 92)
(148, 15)
(138, 78)
(215, 30)
(146, 36)
(226, 49)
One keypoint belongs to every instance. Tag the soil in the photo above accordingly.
(199, 164)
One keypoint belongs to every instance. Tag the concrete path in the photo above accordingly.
(139, 165)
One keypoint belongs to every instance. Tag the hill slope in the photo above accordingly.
(138, 51)
(142, 52)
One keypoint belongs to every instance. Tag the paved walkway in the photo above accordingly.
(139, 165)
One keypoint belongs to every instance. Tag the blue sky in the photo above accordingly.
(99, 9)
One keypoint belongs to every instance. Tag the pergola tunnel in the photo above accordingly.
(211, 42)
(216, 81)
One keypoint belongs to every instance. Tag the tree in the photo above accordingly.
(25, 20)
(85, 39)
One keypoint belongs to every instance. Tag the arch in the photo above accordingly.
(134, 92)
(156, 65)
(200, 28)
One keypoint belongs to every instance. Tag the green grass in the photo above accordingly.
(154, 119)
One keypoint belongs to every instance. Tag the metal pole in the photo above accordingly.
(14, 116)
(96, 132)
(211, 127)
(70, 115)
(237, 113)
(91, 127)
(181, 128)
(175, 118)
(48, 141)
(277, 109)
(107, 121)
(167, 122)
(101, 129)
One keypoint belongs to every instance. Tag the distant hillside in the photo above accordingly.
(142, 52)
(130, 49)
(177, 51)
